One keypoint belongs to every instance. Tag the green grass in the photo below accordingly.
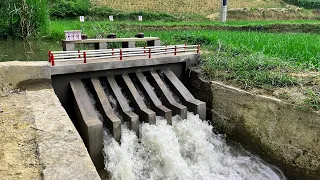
(313, 99)
(248, 70)
(299, 49)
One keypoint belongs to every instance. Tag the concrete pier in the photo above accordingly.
(91, 128)
(126, 111)
(160, 109)
(168, 100)
(193, 105)
(112, 122)
(145, 114)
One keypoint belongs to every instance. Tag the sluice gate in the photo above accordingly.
(107, 94)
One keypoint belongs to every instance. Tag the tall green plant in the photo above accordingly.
(69, 8)
(23, 18)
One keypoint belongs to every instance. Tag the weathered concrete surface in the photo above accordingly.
(18, 147)
(90, 127)
(16, 73)
(62, 153)
(279, 132)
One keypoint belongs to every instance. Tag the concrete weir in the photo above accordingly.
(106, 95)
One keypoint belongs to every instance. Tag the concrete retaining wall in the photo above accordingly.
(62, 153)
(279, 132)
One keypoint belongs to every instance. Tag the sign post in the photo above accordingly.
(111, 18)
(81, 21)
(223, 14)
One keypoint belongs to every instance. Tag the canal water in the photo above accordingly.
(187, 150)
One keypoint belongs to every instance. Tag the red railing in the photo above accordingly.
(88, 55)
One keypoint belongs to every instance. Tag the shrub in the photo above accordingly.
(23, 18)
(69, 8)
(193, 39)
(312, 4)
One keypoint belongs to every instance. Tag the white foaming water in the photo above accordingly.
(187, 150)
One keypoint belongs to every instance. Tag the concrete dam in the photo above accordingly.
(86, 95)
(135, 116)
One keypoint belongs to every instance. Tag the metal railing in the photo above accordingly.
(89, 55)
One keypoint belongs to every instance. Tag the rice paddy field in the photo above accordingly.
(202, 7)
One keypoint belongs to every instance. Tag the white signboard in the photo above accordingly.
(81, 18)
(140, 18)
(111, 18)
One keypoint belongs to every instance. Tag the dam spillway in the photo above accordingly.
(91, 96)
(142, 103)
(143, 88)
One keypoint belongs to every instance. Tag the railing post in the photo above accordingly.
(144, 49)
(49, 54)
(175, 50)
(149, 52)
(120, 54)
(185, 47)
(112, 52)
(52, 59)
(166, 49)
(198, 48)
(79, 53)
(84, 57)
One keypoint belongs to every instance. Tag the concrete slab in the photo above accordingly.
(194, 105)
(153, 98)
(168, 100)
(112, 122)
(62, 153)
(101, 45)
(68, 47)
(145, 114)
(126, 110)
(91, 128)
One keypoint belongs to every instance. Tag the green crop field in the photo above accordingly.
(187, 6)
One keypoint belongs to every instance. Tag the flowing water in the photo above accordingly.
(186, 150)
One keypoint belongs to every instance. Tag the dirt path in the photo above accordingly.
(18, 154)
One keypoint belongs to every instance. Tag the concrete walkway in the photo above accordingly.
(62, 153)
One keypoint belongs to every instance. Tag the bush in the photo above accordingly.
(23, 18)
(311, 4)
(193, 39)
(69, 8)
